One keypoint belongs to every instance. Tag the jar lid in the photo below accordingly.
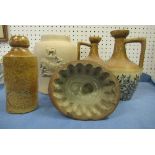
(19, 41)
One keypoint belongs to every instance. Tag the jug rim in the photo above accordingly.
(120, 33)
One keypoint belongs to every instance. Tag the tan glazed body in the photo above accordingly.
(53, 51)
(93, 54)
(127, 72)
(21, 77)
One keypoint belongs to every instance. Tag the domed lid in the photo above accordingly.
(19, 46)
(120, 33)
(19, 41)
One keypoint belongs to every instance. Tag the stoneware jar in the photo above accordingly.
(20, 77)
(94, 53)
(53, 51)
(127, 72)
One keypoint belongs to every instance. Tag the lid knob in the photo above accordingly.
(19, 41)
(94, 39)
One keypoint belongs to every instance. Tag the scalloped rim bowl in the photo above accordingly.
(84, 90)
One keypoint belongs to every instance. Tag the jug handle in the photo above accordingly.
(142, 41)
(78, 47)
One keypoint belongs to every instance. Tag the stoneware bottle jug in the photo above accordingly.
(20, 77)
(127, 72)
(53, 51)
(93, 54)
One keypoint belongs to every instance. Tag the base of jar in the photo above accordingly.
(19, 111)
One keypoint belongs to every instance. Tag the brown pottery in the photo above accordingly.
(20, 76)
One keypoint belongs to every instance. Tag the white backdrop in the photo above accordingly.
(82, 33)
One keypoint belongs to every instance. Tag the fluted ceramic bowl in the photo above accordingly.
(84, 90)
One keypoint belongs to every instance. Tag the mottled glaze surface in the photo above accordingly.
(21, 79)
(84, 90)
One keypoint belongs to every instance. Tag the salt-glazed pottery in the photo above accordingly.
(93, 54)
(126, 71)
(20, 77)
(84, 90)
(53, 51)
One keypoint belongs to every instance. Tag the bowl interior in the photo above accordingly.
(84, 91)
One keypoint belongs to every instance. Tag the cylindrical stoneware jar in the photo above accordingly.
(127, 72)
(20, 76)
(53, 51)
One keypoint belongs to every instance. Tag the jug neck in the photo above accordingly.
(119, 49)
(94, 50)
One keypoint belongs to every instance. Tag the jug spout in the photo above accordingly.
(119, 49)
(119, 33)
(94, 40)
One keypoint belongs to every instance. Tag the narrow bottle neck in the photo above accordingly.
(94, 50)
(119, 49)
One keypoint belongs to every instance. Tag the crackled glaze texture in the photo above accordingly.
(84, 90)
(21, 78)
